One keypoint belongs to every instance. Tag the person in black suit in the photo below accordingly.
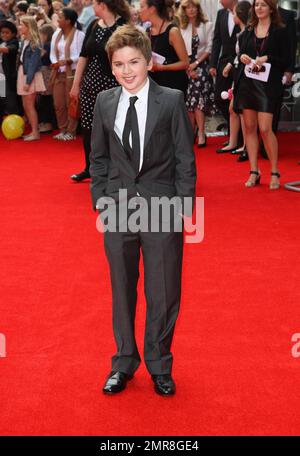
(223, 51)
(264, 42)
(142, 142)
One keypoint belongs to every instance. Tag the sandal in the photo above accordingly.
(275, 185)
(253, 183)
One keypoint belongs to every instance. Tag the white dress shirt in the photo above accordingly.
(141, 106)
(75, 48)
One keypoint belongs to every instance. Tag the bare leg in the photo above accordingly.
(192, 118)
(250, 120)
(200, 120)
(241, 149)
(29, 108)
(265, 120)
(234, 122)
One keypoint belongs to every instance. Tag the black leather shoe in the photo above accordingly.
(80, 176)
(224, 151)
(243, 157)
(116, 382)
(237, 152)
(164, 385)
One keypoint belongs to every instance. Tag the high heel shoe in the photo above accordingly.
(199, 145)
(251, 183)
(275, 185)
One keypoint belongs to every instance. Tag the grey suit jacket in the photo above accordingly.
(168, 166)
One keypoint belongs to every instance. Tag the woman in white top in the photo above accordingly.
(66, 45)
(197, 34)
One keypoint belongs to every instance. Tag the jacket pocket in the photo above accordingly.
(113, 172)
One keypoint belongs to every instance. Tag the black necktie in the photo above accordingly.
(131, 125)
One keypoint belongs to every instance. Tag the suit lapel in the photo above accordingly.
(112, 106)
(111, 111)
(225, 25)
(235, 30)
(153, 109)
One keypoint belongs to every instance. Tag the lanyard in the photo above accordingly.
(259, 47)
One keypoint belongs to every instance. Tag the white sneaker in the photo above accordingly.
(69, 137)
(59, 136)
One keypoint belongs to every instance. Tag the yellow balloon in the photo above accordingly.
(13, 126)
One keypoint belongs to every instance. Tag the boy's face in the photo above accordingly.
(6, 34)
(130, 68)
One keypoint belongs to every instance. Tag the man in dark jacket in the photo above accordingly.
(223, 51)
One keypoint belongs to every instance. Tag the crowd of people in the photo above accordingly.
(52, 55)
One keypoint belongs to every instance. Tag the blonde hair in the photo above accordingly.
(30, 23)
(184, 20)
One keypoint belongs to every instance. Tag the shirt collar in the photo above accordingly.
(141, 94)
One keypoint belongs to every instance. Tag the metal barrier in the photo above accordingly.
(294, 186)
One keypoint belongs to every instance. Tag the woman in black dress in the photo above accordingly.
(265, 40)
(93, 72)
(167, 42)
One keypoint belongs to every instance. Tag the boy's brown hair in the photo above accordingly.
(131, 36)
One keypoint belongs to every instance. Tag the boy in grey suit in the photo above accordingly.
(142, 144)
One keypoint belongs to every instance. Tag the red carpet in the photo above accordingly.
(233, 366)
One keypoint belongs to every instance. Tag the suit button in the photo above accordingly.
(136, 180)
